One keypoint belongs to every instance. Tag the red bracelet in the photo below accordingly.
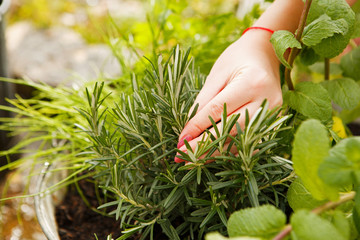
(261, 28)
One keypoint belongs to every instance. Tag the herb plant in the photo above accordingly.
(134, 145)
(127, 140)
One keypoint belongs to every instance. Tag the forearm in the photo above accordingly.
(282, 15)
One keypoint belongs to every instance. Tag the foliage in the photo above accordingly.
(243, 185)
(133, 152)
(325, 195)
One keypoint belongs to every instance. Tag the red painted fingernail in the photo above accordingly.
(187, 138)
(178, 160)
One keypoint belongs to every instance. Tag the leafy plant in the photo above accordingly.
(332, 174)
(323, 33)
(134, 145)
(234, 185)
(324, 195)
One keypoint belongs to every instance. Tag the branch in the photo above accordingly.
(327, 69)
(327, 206)
(294, 51)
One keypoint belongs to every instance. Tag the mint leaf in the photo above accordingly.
(323, 27)
(356, 32)
(263, 222)
(281, 41)
(341, 223)
(300, 198)
(308, 56)
(341, 168)
(356, 210)
(340, 12)
(350, 64)
(356, 219)
(344, 91)
(308, 226)
(310, 148)
(349, 116)
(218, 236)
(311, 100)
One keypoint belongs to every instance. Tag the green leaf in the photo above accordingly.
(281, 41)
(218, 236)
(308, 226)
(321, 28)
(344, 91)
(300, 198)
(264, 222)
(310, 99)
(341, 223)
(308, 56)
(356, 219)
(310, 148)
(356, 32)
(341, 168)
(350, 64)
(339, 11)
(357, 199)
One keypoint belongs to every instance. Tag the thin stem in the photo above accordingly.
(291, 176)
(327, 206)
(294, 51)
(327, 69)
(331, 205)
(287, 230)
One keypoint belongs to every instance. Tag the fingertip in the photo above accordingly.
(178, 160)
(187, 137)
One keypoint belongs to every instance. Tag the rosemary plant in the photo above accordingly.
(133, 150)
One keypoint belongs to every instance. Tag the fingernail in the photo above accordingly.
(187, 138)
(178, 160)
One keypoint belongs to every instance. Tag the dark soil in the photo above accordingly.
(78, 221)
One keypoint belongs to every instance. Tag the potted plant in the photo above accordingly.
(127, 143)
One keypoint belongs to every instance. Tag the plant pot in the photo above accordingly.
(47, 200)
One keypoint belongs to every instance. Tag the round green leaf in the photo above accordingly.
(310, 148)
(264, 222)
(341, 167)
(344, 91)
(350, 64)
(311, 100)
(300, 198)
(309, 226)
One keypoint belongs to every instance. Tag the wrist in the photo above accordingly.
(258, 41)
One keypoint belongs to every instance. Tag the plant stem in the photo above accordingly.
(327, 206)
(330, 205)
(327, 69)
(291, 176)
(294, 51)
(283, 233)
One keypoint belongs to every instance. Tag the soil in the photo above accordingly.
(78, 221)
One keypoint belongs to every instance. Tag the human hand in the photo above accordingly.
(245, 74)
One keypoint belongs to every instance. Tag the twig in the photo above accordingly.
(292, 175)
(327, 69)
(331, 205)
(294, 51)
(327, 206)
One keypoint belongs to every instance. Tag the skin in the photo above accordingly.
(245, 74)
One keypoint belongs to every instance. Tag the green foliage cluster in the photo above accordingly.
(324, 197)
(285, 158)
(134, 144)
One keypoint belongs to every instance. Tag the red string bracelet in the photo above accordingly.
(261, 28)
